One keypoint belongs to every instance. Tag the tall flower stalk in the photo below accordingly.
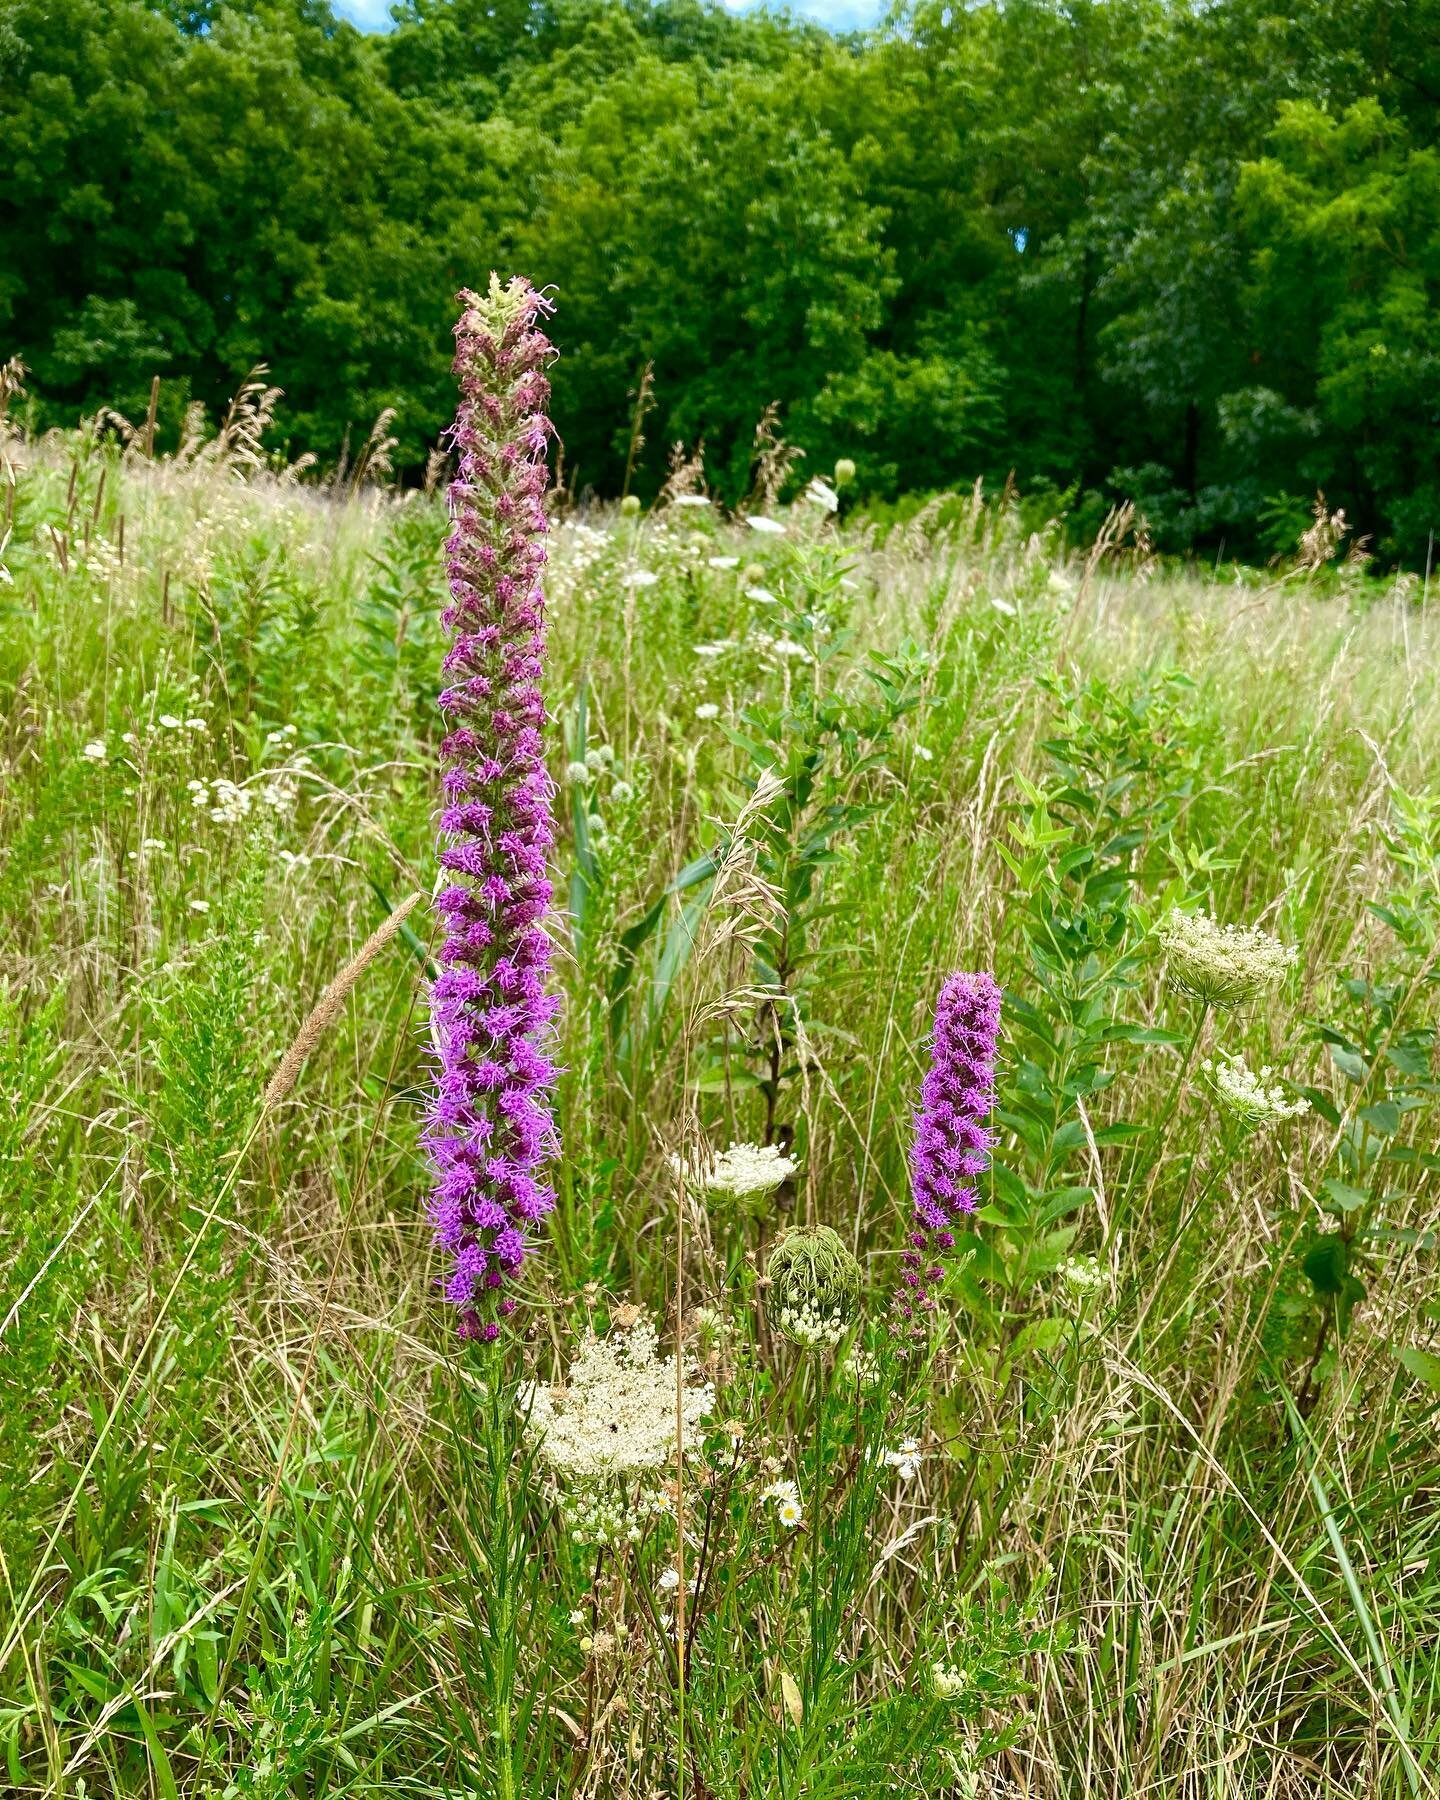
(952, 1141)
(491, 1130)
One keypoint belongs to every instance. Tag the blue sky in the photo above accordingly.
(842, 15)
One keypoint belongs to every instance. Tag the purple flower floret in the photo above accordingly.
(491, 1130)
(952, 1140)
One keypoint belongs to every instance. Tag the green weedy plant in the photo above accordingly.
(283, 1726)
(394, 645)
(48, 1263)
(1382, 1043)
(826, 744)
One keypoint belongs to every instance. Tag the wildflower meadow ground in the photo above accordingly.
(659, 1151)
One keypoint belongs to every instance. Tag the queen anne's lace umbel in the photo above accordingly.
(742, 1172)
(1223, 965)
(1253, 1099)
(614, 1417)
(491, 1130)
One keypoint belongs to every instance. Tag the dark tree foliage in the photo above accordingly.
(1185, 253)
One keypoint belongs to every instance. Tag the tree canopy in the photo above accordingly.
(1187, 253)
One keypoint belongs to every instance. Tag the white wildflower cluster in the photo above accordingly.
(639, 578)
(1083, 1274)
(281, 792)
(103, 561)
(604, 1515)
(226, 803)
(906, 1460)
(860, 1368)
(615, 1415)
(579, 547)
(765, 526)
(95, 750)
(742, 1172)
(779, 650)
(707, 710)
(785, 1497)
(821, 494)
(695, 500)
(1222, 965)
(807, 1324)
(1252, 1099)
(722, 562)
(947, 1681)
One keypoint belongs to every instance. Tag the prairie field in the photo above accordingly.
(1146, 1504)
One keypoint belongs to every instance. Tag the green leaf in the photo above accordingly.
(1349, 1062)
(1424, 1365)
(790, 1693)
(1383, 1116)
(1344, 1198)
(1326, 1263)
(1040, 1336)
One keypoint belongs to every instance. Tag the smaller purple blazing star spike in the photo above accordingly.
(952, 1140)
(490, 1129)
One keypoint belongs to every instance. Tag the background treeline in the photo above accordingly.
(1188, 253)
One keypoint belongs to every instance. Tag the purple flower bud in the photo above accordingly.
(491, 1128)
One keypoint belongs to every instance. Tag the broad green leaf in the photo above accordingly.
(1424, 1365)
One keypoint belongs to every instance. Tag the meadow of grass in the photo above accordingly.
(1170, 1521)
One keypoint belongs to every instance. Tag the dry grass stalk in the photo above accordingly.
(687, 474)
(644, 401)
(237, 446)
(327, 1008)
(374, 461)
(774, 461)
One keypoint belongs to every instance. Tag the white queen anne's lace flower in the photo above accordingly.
(1083, 1274)
(740, 1173)
(1252, 1099)
(615, 1415)
(1221, 964)
(947, 1682)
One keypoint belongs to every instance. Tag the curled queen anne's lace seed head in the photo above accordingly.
(1223, 965)
(490, 1130)
(814, 1291)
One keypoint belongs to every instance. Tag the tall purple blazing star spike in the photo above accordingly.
(952, 1141)
(491, 1130)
